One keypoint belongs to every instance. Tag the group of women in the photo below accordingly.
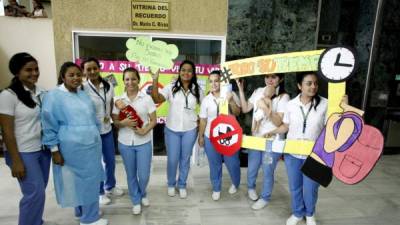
(73, 122)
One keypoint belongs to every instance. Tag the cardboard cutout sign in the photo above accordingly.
(226, 134)
(156, 54)
(347, 146)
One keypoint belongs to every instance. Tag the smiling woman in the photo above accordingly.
(72, 133)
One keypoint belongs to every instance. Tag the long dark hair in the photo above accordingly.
(92, 59)
(17, 62)
(63, 71)
(178, 83)
(300, 77)
(281, 85)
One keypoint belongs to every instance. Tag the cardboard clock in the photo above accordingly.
(337, 64)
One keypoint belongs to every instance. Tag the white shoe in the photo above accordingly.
(116, 191)
(216, 195)
(145, 201)
(260, 203)
(136, 210)
(104, 200)
(98, 222)
(310, 220)
(182, 193)
(232, 189)
(171, 191)
(293, 220)
(252, 194)
(78, 217)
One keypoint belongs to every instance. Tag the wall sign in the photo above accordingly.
(150, 15)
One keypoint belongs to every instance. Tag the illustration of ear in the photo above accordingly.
(340, 132)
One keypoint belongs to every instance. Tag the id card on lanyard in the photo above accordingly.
(106, 118)
(305, 116)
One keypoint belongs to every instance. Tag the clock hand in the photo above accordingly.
(337, 63)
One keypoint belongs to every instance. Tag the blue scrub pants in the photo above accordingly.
(269, 175)
(137, 162)
(303, 190)
(179, 149)
(254, 159)
(108, 148)
(88, 213)
(232, 163)
(33, 186)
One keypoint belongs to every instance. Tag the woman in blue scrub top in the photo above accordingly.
(102, 94)
(134, 142)
(304, 118)
(72, 133)
(184, 96)
(208, 112)
(20, 122)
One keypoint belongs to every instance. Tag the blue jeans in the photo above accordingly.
(137, 162)
(232, 163)
(303, 190)
(253, 166)
(88, 213)
(33, 186)
(269, 172)
(179, 149)
(108, 149)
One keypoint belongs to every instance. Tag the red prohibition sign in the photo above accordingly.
(226, 135)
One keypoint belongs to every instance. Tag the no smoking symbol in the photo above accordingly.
(226, 134)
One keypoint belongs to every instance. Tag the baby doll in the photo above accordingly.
(127, 111)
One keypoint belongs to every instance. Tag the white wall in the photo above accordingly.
(35, 36)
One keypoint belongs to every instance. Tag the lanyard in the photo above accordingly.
(102, 99)
(186, 99)
(217, 106)
(305, 116)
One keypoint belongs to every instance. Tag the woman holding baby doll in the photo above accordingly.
(208, 112)
(268, 104)
(134, 138)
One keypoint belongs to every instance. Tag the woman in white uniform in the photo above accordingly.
(184, 96)
(209, 110)
(134, 140)
(270, 122)
(304, 119)
(20, 105)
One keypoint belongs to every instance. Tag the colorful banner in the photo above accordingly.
(277, 63)
(112, 71)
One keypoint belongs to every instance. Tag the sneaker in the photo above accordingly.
(216, 195)
(232, 189)
(260, 203)
(293, 220)
(252, 194)
(310, 220)
(145, 201)
(171, 191)
(182, 193)
(78, 217)
(137, 209)
(116, 191)
(98, 222)
(104, 200)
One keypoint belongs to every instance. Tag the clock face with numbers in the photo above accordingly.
(337, 64)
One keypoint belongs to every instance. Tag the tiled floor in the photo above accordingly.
(376, 200)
